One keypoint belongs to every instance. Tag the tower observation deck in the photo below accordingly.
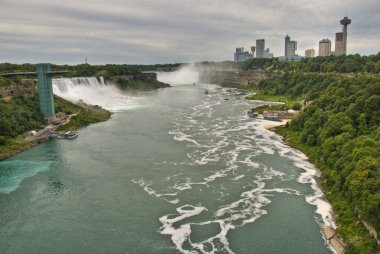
(45, 89)
(344, 22)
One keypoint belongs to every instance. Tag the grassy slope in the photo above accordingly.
(86, 114)
(288, 103)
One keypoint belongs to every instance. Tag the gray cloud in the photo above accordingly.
(148, 31)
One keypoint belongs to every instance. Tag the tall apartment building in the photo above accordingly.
(309, 53)
(290, 47)
(268, 54)
(260, 48)
(241, 55)
(324, 47)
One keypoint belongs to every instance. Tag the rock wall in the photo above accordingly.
(26, 88)
(235, 78)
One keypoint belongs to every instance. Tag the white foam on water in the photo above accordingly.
(146, 187)
(231, 143)
(182, 233)
(94, 92)
(180, 136)
(238, 177)
(300, 160)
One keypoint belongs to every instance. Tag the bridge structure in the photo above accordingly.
(45, 86)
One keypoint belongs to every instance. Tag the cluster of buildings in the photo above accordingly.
(259, 51)
(340, 41)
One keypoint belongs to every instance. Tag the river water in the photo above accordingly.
(173, 171)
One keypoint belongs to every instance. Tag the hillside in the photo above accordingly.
(21, 114)
(339, 131)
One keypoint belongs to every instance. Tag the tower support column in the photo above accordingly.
(45, 89)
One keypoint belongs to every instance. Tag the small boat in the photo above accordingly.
(71, 134)
(67, 135)
(206, 91)
(252, 114)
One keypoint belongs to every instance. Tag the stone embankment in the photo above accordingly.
(334, 240)
(234, 78)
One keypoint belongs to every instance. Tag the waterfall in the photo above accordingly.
(94, 91)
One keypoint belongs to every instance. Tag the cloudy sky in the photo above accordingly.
(168, 31)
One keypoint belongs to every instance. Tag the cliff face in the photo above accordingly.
(26, 88)
(235, 78)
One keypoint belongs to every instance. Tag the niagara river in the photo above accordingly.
(175, 170)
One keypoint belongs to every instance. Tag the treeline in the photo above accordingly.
(155, 67)
(340, 132)
(340, 64)
(297, 84)
(80, 70)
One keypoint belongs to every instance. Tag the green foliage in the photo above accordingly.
(20, 115)
(85, 114)
(80, 70)
(340, 132)
(140, 84)
(340, 64)
(259, 63)
(85, 117)
(4, 81)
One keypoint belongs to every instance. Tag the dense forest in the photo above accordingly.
(19, 115)
(340, 132)
(340, 64)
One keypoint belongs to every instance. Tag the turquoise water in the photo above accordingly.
(179, 172)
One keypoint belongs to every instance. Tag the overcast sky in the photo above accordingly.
(169, 31)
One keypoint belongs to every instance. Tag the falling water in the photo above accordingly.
(94, 91)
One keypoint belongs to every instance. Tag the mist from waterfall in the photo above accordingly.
(187, 74)
(94, 91)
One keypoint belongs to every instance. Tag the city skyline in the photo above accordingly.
(149, 32)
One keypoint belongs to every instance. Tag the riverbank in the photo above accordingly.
(84, 115)
(330, 234)
(338, 131)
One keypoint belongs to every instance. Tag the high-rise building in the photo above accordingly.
(260, 48)
(341, 38)
(241, 55)
(290, 47)
(339, 47)
(324, 47)
(253, 50)
(309, 53)
(268, 54)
